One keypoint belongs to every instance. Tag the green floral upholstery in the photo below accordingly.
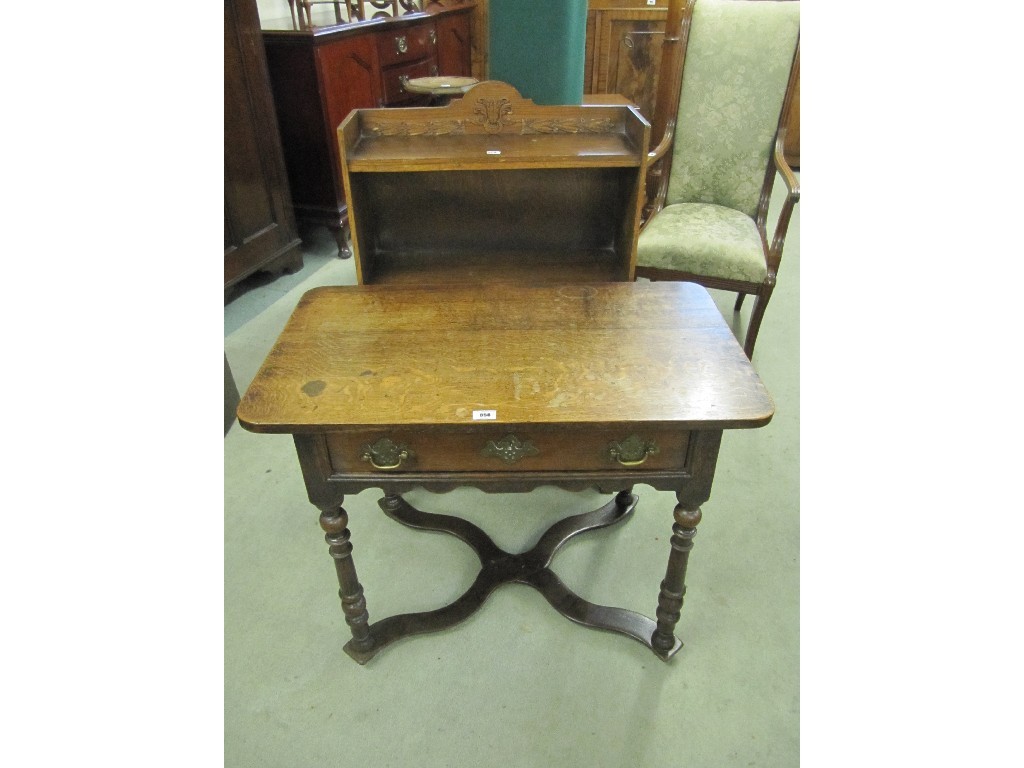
(738, 61)
(705, 239)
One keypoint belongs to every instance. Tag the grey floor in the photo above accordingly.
(516, 684)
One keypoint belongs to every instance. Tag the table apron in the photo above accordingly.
(324, 481)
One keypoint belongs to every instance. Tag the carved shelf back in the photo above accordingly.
(492, 107)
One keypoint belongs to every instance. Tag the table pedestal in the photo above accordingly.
(499, 567)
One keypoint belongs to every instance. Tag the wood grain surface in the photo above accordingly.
(578, 356)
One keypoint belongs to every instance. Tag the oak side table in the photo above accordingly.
(507, 388)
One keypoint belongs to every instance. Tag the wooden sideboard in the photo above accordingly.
(259, 227)
(321, 73)
(623, 55)
(493, 187)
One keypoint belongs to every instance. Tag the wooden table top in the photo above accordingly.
(581, 355)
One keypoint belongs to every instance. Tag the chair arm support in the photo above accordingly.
(659, 151)
(783, 166)
(656, 183)
(793, 196)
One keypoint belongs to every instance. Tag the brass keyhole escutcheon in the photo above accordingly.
(401, 44)
(509, 449)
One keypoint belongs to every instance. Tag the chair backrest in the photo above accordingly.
(734, 80)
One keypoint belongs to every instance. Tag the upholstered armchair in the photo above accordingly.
(726, 82)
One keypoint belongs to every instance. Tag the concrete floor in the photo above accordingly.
(516, 684)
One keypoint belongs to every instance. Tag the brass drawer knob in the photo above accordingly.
(401, 44)
(384, 454)
(633, 451)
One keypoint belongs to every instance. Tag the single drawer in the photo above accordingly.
(505, 450)
(406, 44)
(394, 78)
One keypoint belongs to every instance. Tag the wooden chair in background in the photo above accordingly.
(725, 86)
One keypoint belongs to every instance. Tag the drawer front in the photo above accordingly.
(516, 450)
(395, 93)
(406, 44)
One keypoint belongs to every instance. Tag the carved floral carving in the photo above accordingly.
(428, 128)
(493, 114)
(570, 125)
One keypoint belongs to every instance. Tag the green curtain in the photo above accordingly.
(538, 47)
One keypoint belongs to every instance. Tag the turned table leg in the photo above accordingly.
(334, 521)
(341, 237)
(673, 587)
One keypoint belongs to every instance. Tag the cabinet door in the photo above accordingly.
(349, 72)
(259, 226)
(454, 56)
(627, 53)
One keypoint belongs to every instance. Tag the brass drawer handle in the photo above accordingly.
(403, 80)
(385, 454)
(433, 37)
(401, 44)
(633, 451)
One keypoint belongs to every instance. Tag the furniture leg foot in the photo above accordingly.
(334, 521)
(756, 316)
(673, 587)
(341, 236)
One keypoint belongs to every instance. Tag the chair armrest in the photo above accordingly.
(788, 177)
(659, 151)
(792, 198)
(656, 183)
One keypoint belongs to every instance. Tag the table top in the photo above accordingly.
(579, 355)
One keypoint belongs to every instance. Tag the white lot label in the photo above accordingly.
(485, 415)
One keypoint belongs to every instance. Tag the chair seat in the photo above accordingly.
(703, 239)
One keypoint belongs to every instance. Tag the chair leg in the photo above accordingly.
(756, 315)
(739, 302)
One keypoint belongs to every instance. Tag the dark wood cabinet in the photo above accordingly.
(259, 227)
(321, 73)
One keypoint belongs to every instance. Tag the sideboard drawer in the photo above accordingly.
(394, 90)
(407, 44)
(500, 450)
